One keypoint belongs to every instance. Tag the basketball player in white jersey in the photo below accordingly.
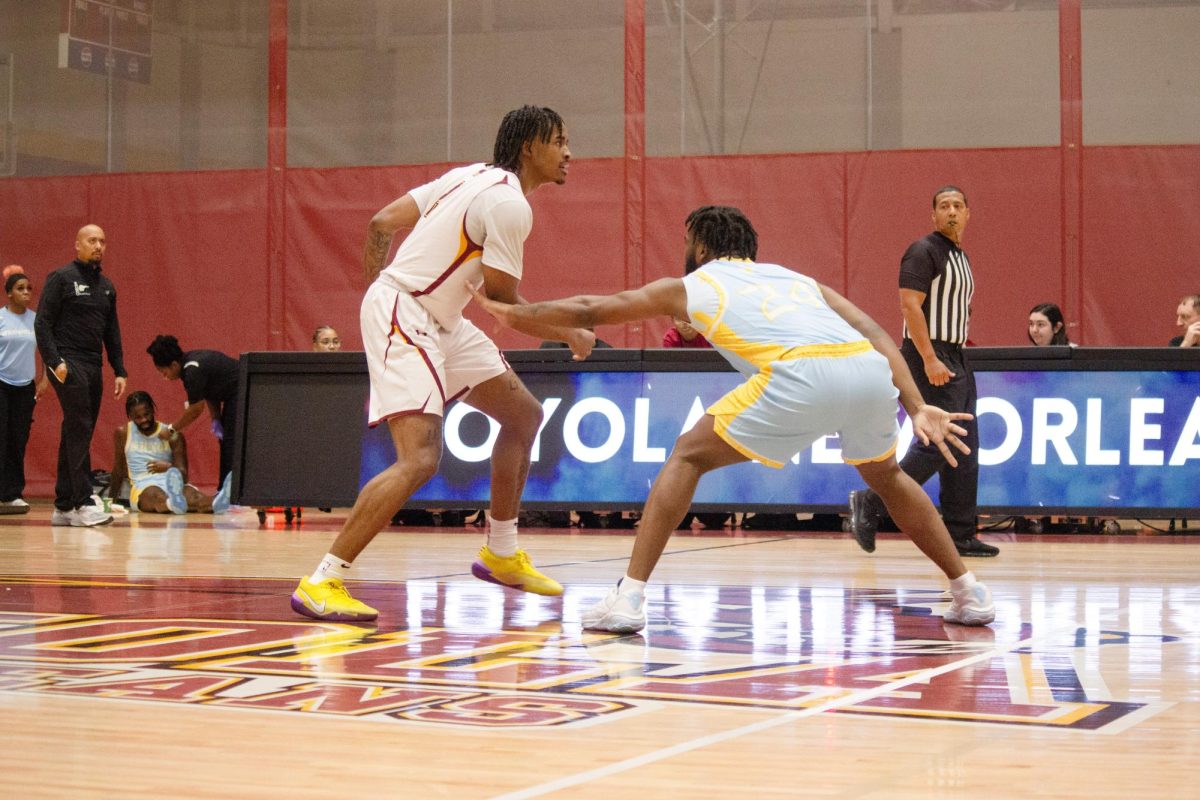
(468, 233)
(156, 465)
(815, 365)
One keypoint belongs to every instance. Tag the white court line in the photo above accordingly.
(704, 741)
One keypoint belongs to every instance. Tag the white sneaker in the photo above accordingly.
(971, 606)
(64, 518)
(617, 613)
(17, 506)
(88, 516)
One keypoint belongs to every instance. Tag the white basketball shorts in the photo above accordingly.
(415, 366)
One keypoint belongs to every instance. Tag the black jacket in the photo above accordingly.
(77, 316)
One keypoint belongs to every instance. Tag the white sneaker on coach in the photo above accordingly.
(88, 516)
(971, 606)
(617, 613)
(14, 506)
(60, 517)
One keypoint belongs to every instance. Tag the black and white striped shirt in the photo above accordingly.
(939, 269)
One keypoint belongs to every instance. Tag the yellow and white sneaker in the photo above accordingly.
(515, 572)
(329, 600)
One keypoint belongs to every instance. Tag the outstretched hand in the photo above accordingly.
(933, 424)
(496, 308)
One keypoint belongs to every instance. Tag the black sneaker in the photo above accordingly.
(864, 521)
(973, 548)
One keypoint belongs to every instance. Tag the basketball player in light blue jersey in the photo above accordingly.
(814, 365)
(156, 467)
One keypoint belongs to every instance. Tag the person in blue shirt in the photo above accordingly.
(21, 384)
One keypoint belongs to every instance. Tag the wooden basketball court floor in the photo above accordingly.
(158, 658)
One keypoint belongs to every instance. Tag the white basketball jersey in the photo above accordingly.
(470, 216)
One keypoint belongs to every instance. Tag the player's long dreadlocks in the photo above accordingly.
(139, 399)
(519, 126)
(724, 231)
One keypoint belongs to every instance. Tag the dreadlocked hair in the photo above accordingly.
(724, 231)
(139, 399)
(519, 126)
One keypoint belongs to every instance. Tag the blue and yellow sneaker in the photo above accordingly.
(176, 500)
(515, 572)
(329, 600)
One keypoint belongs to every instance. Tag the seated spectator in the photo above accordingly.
(1187, 316)
(1046, 326)
(684, 335)
(156, 467)
(326, 340)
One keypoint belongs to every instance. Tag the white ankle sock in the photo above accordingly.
(502, 536)
(330, 567)
(964, 581)
(628, 585)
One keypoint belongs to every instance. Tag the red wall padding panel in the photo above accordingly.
(576, 243)
(189, 254)
(1014, 237)
(795, 202)
(1141, 241)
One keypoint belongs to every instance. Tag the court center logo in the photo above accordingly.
(863, 652)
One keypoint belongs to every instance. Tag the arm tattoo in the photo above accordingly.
(378, 244)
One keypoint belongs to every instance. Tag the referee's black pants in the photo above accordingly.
(80, 400)
(960, 485)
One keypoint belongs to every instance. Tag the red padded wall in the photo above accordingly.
(1141, 242)
(189, 252)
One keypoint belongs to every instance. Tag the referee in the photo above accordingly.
(935, 297)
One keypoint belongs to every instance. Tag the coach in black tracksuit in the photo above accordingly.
(76, 321)
(936, 286)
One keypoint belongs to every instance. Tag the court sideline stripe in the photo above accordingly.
(734, 733)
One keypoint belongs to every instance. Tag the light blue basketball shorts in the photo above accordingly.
(790, 404)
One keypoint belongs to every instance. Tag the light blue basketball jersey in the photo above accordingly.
(140, 450)
(810, 372)
(756, 314)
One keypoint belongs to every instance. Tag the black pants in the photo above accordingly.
(960, 485)
(16, 417)
(80, 401)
